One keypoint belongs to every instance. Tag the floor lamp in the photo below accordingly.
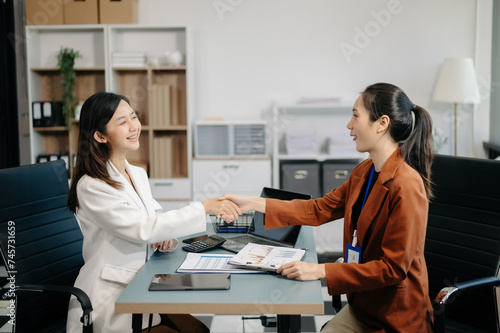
(457, 84)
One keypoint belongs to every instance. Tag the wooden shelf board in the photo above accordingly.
(169, 128)
(56, 69)
(146, 68)
(51, 129)
(318, 157)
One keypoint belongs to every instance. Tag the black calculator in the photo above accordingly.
(209, 243)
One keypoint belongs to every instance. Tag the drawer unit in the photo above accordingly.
(335, 173)
(171, 189)
(212, 178)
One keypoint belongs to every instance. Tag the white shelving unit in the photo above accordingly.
(95, 72)
(324, 119)
(43, 43)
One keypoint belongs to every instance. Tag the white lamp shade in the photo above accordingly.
(457, 82)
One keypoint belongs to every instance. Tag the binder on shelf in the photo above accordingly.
(52, 114)
(37, 114)
(65, 158)
(53, 157)
(42, 158)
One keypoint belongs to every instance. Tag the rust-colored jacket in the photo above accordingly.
(388, 290)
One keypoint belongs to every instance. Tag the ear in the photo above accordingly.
(99, 137)
(383, 123)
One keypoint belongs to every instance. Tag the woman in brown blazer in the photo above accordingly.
(384, 204)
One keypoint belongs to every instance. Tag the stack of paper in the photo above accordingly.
(301, 142)
(265, 257)
(320, 100)
(128, 59)
(342, 146)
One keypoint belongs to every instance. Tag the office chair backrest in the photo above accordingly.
(48, 240)
(463, 235)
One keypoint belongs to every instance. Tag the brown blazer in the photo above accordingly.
(388, 290)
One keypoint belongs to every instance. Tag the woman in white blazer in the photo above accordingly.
(118, 216)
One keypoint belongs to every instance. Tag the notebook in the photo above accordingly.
(285, 236)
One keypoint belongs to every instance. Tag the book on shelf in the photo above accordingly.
(174, 106)
(265, 257)
(159, 105)
(163, 158)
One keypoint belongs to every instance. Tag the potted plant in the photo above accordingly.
(66, 61)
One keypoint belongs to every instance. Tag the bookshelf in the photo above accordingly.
(44, 82)
(160, 92)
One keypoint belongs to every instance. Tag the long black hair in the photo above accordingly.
(410, 124)
(92, 156)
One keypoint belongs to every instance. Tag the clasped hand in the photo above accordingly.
(222, 208)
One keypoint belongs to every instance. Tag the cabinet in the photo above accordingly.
(214, 177)
(161, 93)
(43, 44)
(311, 133)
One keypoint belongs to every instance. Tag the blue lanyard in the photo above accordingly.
(368, 186)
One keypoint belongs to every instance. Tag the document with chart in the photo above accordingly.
(265, 257)
(210, 263)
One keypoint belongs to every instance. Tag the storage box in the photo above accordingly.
(302, 178)
(81, 12)
(335, 173)
(44, 12)
(117, 11)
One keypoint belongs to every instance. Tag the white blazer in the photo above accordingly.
(117, 226)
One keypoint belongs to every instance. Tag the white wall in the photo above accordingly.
(250, 53)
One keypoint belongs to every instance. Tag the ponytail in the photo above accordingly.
(411, 125)
(417, 149)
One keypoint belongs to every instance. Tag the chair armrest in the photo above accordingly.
(445, 294)
(80, 295)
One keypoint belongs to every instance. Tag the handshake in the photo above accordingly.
(230, 206)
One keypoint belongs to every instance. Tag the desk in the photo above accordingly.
(249, 293)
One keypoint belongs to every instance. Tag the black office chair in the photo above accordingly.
(41, 245)
(462, 247)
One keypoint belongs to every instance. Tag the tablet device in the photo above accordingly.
(198, 281)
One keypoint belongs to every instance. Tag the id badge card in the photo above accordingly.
(353, 254)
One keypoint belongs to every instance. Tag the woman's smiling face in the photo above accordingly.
(362, 129)
(123, 129)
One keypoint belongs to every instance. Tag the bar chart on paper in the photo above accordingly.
(210, 263)
(270, 258)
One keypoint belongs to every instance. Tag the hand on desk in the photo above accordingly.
(163, 246)
(302, 271)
